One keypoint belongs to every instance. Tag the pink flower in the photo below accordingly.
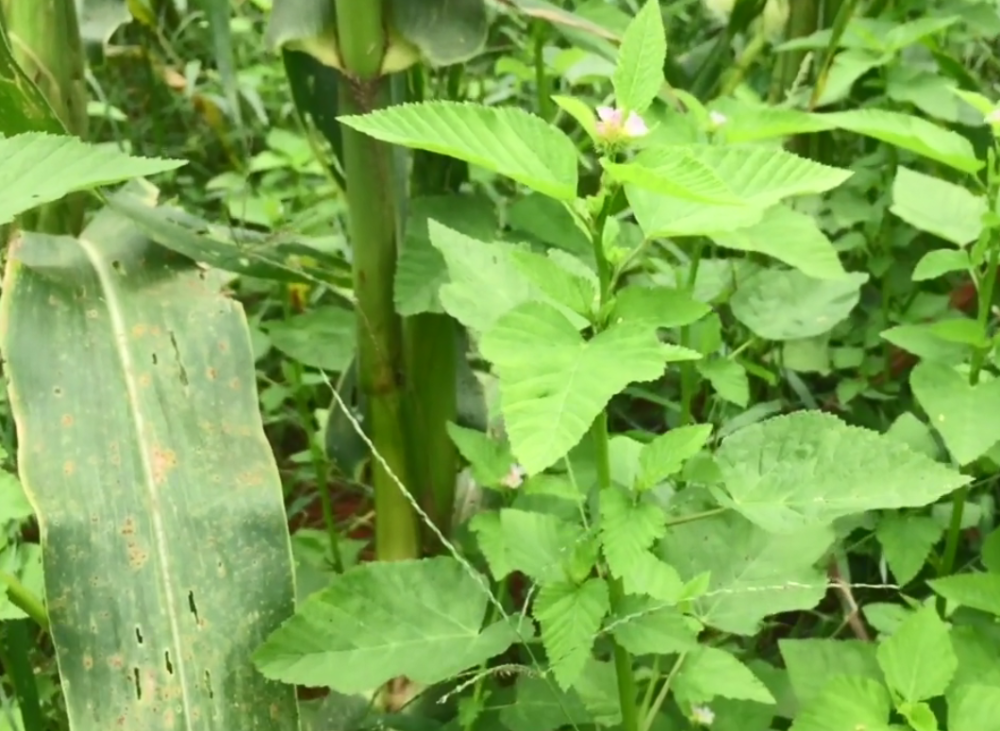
(614, 126)
(514, 477)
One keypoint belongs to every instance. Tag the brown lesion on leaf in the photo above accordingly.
(88, 662)
(212, 373)
(145, 380)
(116, 661)
(163, 461)
(67, 420)
(128, 527)
(136, 556)
(139, 329)
(234, 384)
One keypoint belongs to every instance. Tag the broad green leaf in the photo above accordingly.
(127, 471)
(663, 216)
(956, 215)
(753, 574)
(540, 705)
(504, 140)
(570, 617)
(963, 415)
(911, 133)
(918, 659)
(810, 468)
(790, 237)
(647, 627)
(41, 168)
(977, 649)
(846, 704)
(752, 122)
(550, 222)
(553, 384)
(639, 73)
(728, 378)
(906, 542)
(667, 453)
(421, 270)
(708, 673)
(446, 31)
(657, 306)
(811, 662)
(976, 591)
(939, 262)
(320, 338)
(779, 304)
(422, 619)
(539, 545)
(990, 551)
(974, 708)
(927, 341)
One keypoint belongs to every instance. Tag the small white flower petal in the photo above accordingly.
(702, 715)
(717, 118)
(635, 126)
(993, 117)
(609, 114)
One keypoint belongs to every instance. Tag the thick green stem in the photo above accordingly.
(24, 600)
(368, 167)
(430, 360)
(17, 643)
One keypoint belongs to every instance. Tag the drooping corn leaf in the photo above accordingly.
(166, 552)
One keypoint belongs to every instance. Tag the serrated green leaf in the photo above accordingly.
(667, 453)
(553, 384)
(570, 617)
(709, 672)
(976, 591)
(810, 468)
(564, 286)
(956, 216)
(538, 544)
(504, 140)
(911, 133)
(663, 216)
(422, 619)
(811, 662)
(906, 542)
(491, 460)
(41, 168)
(657, 306)
(974, 708)
(728, 378)
(962, 414)
(629, 527)
(918, 659)
(752, 573)
(490, 541)
(790, 237)
(421, 270)
(646, 627)
(729, 177)
(937, 263)
(846, 703)
(639, 73)
(779, 304)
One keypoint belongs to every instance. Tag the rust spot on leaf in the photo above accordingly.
(88, 662)
(234, 384)
(128, 527)
(139, 330)
(223, 346)
(212, 373)
(116, 661)
(164, 460)
(69, 467)
(67, 420)
(145, 380)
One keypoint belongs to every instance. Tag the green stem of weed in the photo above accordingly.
(986, 286)
(695, 517)
(543, 92)
(627, 692)
(24, 600)
(477, 689)
(623, 660)
(661, 697)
